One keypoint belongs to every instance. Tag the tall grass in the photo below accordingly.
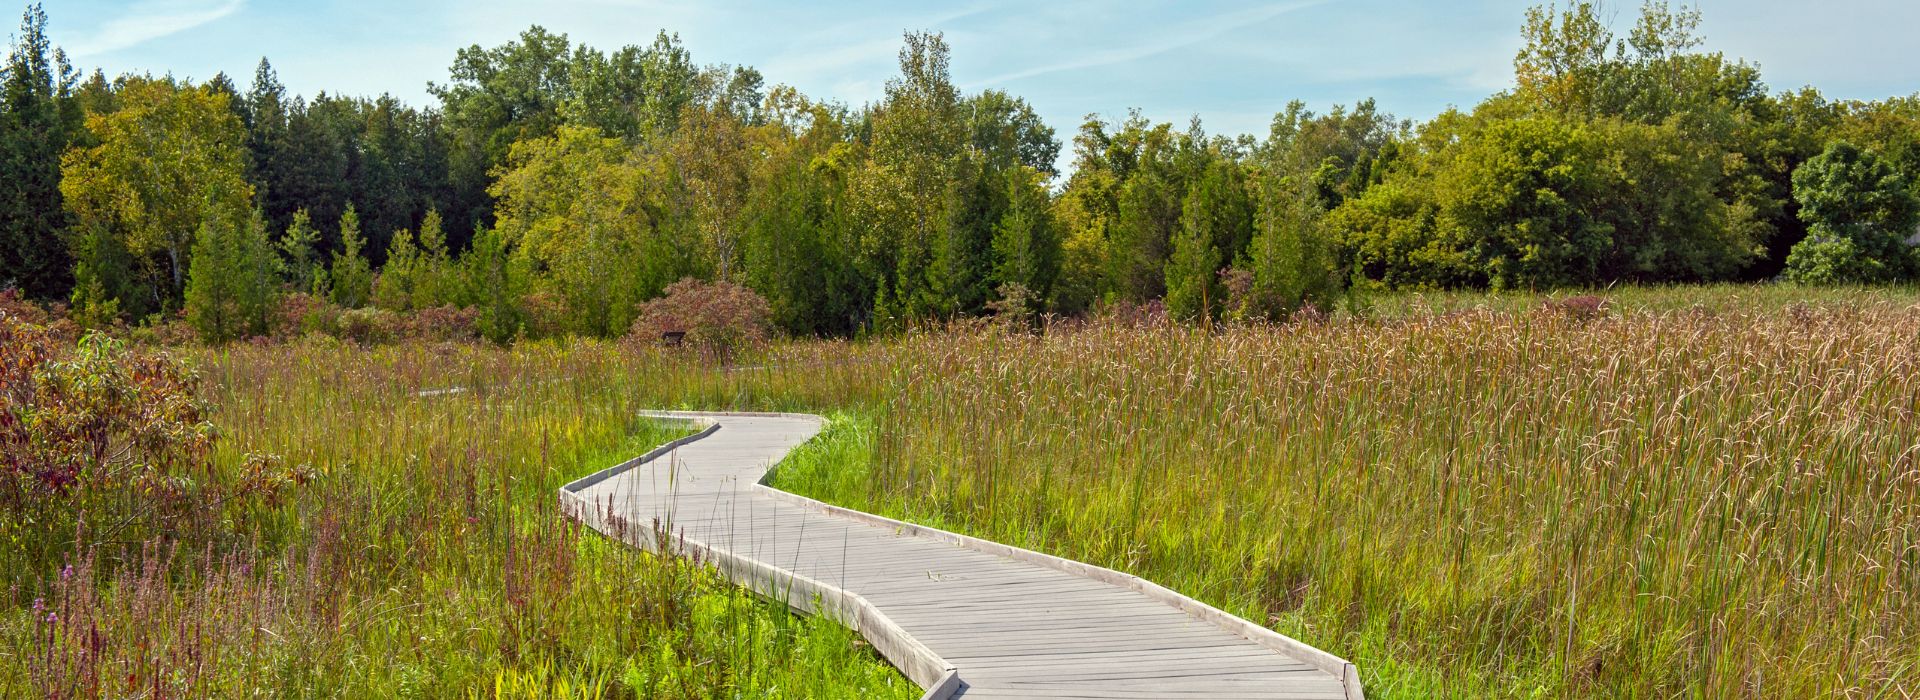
(425, 556)
(1688, 495)
(1700, 492)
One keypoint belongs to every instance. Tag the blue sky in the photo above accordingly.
(1232, 63)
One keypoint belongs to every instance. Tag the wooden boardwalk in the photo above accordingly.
(962, 617)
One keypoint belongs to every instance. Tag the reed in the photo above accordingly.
(1688, 493)
(424, 556)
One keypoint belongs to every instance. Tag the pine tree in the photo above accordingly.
(1293, 264)
(213, 303)
(431, 283)
(963, 262)
(1026, 243)
(35, 127)
(394, 289)
(1193, 287)
(351, 276)
(301, 266)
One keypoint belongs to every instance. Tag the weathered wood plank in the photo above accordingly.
(964, 618)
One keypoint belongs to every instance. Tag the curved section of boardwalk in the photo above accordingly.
(960, 616)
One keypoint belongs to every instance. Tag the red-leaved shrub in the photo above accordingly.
(714, 317)
(108, 433)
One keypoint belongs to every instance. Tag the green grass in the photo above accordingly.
(427, 557)
(1707, 492)
(1704, 492)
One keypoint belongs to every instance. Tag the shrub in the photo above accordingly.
(543, 314)
(300, 314)
(102, 434)
(447, 323)
(368, 326)
(714, 316)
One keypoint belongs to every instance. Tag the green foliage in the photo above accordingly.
(1519, 196)
(495, 281)
(1291, 259)
(1026, 241)
(350, 278)
(582, 210)
(963, 262)
(800, 250)
(1860, 214)
(113, 187)
(902, 195)
(1142, 237)
(298, 256)
(393, 290)
(433, 282)
(38, 119)
(232, 285)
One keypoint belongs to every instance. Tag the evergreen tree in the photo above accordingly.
(300, 262)
(431, 281)
(394, 289)
(230, 283)
(495, 283)
(1193, 287)
(1291, 259)
(963, 262)
(351, 277)
(36, 123)
(1026, 242)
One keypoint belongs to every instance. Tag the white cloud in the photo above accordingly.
(1188, 34)
(152, 19)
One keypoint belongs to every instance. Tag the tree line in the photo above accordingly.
(556, 187)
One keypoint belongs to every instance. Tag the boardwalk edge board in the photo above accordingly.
(920, 664)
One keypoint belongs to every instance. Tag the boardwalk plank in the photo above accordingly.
(1013, 627)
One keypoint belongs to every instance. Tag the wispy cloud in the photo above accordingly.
(152, 19)
(1187, 34)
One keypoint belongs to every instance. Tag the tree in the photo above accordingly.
(1005, 131)
(300, 261)
(1564, 54)
(432, 274)
(167, 162)
(230, 285)
(350, 279)
(1026, 242)
(709, 157)
(902, 193)
(1192, 272)
(799, 246)
(1142, 237)
(36, 124)
(1860, 216)
(1291, 259)
(393, 290)
(1523, 194)
(963, 261)
(495, 282)
(585, 211)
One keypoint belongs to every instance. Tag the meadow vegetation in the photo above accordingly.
(299, 521)
(1659, 493)
(1640, 492)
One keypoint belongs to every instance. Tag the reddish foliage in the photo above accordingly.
(441, 324)
(113, 431)
(713, 316)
